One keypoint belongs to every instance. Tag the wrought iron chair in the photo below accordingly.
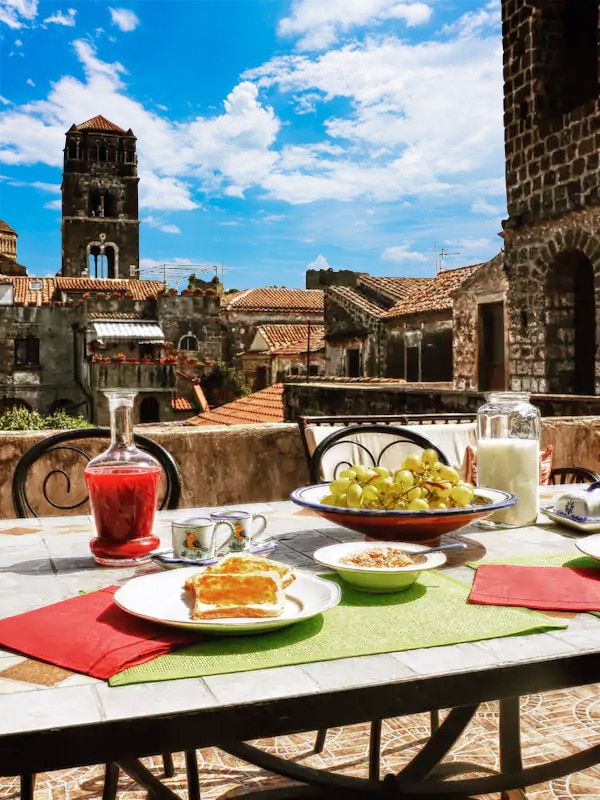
(69, 442)
(360, 440)
(73, 441)
(562, 475)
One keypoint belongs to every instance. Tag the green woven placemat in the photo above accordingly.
(434, 611)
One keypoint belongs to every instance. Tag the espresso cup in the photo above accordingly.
(247, 529)
(200, 538)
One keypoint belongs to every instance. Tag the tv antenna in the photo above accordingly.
(439, 257)
(174, 273)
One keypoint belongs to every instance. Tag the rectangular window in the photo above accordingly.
(27, 352)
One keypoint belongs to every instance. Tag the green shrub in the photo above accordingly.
(20, 418)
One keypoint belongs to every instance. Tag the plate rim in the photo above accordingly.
(376, 513)
(579, 542)
(432, 562)
(232, 624)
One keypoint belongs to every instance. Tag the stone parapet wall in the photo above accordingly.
(252, 463)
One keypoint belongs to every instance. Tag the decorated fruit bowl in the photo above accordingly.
(425, 527)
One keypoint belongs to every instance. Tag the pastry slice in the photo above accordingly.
(223, 595)
(242, 563)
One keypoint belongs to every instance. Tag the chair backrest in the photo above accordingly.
(372, 444)
(562, 475)
(73, 458)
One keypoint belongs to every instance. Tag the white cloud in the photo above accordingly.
(59, 18)
(124, 19)
(320, 262)
(164, 227)
(17, 13)
(30, 82)
(319, 24)
(401, 253)
(481, 206)
(164, 193)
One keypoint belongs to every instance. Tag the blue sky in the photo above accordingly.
(272, 135)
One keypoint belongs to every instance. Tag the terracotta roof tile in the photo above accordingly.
(99, 123)
(181, 404)
(394, 288)
(263, 406)
(436, 296)
(5, 228)
(354, 298)
(283, 336)
(23, 293)
(274, 299)
(113, 315)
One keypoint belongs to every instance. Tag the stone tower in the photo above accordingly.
(552, 234)
(100, 225)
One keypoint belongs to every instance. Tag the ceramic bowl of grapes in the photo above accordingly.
(418, 502)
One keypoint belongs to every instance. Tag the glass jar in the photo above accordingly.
(122, 484)
(508, 454)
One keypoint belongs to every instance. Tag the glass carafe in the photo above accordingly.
(122, 484)
(508, 454)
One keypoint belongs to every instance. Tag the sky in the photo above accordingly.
(273, 136)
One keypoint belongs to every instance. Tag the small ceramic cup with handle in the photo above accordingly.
(248, 529)
(200, 538)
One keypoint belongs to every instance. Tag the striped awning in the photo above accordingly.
(140, 330)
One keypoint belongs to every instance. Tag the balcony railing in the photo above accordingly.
(124, 375)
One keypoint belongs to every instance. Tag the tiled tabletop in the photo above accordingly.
(45, 560)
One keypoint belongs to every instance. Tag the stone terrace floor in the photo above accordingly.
(554, 725)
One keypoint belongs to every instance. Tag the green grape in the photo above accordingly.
(461, 494)
(429, 456)
(382, 471)
(414, 493)
(348, 473)
(370, 493)
(364, 474)
(354, 495)
(418, 504)
(340, 485)
(404, 478)
(449, 474)
(383, 485)
(411, 462)
(330, 500)
(437, 505)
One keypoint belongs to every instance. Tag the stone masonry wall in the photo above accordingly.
(552, 144)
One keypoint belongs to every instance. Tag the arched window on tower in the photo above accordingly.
(188, 342)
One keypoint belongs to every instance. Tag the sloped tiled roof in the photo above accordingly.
(98, 123)
(356, 299)
(274, 300)
(395, 288)
(317, 343)
(181, 404)
(436, 296)
(113, 315)
(23, 292)
(263, 406)
(283, 336)
(5, 228)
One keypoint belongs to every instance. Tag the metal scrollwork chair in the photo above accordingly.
(368, 444)
(74, 456)
(562, 475)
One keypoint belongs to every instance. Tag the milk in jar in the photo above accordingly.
(508, 454)
(511, 465)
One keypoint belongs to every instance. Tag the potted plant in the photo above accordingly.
(119, 357)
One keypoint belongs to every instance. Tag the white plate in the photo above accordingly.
(161, 597)
(590, 546)
(581, 524)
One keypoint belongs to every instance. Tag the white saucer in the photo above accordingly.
(581, 524)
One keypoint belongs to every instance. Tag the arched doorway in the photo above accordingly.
(571, 325)
(149, 410)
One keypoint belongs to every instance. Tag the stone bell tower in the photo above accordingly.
(100, 225)
(552, 234)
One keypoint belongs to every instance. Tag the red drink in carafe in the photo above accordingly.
(123, 501)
